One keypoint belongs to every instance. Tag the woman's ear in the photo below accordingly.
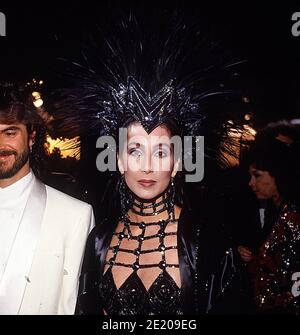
(176, 168)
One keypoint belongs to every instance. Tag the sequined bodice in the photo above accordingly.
(163, 297)
(142, 255)
(276, 286)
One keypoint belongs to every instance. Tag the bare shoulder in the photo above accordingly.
(177, 211)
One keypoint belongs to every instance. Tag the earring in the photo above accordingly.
(125, 196)
(172, 190)
(125, 199)
(171, 198)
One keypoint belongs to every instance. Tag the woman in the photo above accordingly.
(151, 254)
(155, 257)
(274, 170)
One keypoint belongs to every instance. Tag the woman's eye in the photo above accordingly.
(135, 152)
(160, 154)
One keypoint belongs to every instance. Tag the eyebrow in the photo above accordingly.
(255, 170)
(139, 145)
(162, 145)
(136, 144)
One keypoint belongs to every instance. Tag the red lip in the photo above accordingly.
(146, 182)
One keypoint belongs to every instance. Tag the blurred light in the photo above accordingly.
(237, 137)
(41, 82)
(38, 103)
(247, 117)
(66, 146)
(36, 95)
(246, 100)
(295, 121)
(249, 132)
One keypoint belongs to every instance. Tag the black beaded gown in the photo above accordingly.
(210, 273)
(141, 252)
(163, 296)
(187, 270)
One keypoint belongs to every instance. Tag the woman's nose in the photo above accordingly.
(252, 181)
(147, 165)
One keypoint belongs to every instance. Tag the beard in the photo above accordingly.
(20, 160)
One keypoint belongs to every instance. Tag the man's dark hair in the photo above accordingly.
(16, 106)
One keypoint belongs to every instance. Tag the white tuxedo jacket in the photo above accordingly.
(52, 281)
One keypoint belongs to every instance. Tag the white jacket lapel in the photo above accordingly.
(16, 275)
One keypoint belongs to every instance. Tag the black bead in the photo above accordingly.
(142, 225)
(162, 265)
(162, 247)
(162, 223)
(137, 252)
(115, 249)
(135, 266)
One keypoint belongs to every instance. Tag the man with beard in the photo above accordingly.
(42, 231)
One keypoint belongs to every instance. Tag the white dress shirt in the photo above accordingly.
(13, 199)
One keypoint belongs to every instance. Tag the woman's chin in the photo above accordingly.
(261, 197)
(146, 194)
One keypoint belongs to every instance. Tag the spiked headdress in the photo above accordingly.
(171, 80)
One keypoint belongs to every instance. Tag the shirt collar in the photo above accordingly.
(16, 189)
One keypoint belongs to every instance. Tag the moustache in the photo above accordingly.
(7, 152)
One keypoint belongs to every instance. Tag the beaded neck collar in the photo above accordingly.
(151, 207)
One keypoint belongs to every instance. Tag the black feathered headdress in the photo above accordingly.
(131, 75)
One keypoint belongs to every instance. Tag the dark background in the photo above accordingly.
(38, 33)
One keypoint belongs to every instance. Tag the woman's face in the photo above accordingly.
(148, 161)
(263, 184)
